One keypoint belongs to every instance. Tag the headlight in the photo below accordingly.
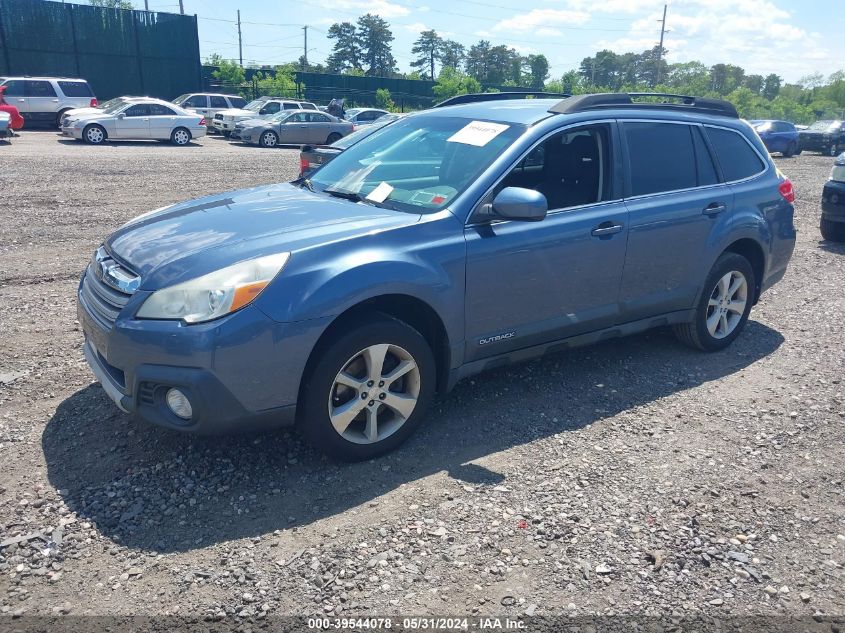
(838, 173)
(215, 294)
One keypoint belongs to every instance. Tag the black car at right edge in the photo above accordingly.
(833, 203)
(827, 137)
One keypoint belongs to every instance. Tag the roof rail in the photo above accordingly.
(499, 96)
(684, 103)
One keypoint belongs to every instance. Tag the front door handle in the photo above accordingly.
(715, 208)
(606, 228)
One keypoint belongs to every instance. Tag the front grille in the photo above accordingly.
(146, 393)
(106, 288)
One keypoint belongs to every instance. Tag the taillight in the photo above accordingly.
(202, 122)
(94, 103)
(304, 165)
(786, 190)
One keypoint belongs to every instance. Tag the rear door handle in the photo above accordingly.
(606, 228)
(715, 208)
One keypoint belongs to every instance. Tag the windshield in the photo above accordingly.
(178, 100)
(419, 164)
(255, 106)
(281, 116)
(761, 126)
(113, 106)
(823, 125)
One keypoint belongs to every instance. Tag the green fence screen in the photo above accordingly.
(119, 52)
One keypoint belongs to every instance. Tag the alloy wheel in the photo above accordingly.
(181, 137)
(94, 135)
(374, 394)
(269, 139)
(727, 304)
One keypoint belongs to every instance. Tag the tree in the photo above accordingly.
(690, 77)
(427, 48)
(281, 83)
(112, 4)
(754, 83)
(228, 73)
(452, 54)
(477, 60)
(538, 67)
(374, 38)
(771, 86)
(383, 99)
(346, 52)
(453, 82)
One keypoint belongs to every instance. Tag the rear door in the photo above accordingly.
(677, 208)
(42, 99)
(135, 122)
(163, 120)
(319, 127)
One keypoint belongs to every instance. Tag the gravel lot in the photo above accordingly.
(634, 477)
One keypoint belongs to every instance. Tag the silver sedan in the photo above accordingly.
(292, 128)
(137, 120)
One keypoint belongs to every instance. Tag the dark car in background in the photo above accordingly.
(827, 137)
(833, 203)
(777, 136)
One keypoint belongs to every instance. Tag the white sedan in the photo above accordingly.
(137, 120)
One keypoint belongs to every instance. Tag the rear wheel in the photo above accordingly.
(334, 136)
(834, 149)
(368, 390)
(832, 231)
(790, 150)
(94, 134)
(180, 136)
(269, 139)
(723, 308)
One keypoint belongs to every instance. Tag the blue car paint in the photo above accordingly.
(497, 289)
(778, 141)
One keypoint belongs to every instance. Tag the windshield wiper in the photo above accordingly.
(306, 182)
(346, 195)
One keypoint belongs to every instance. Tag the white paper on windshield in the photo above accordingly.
(380, 193)
(478, 133)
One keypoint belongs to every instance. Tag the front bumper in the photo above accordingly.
(816, 144)
(833, 201)
(241, 372)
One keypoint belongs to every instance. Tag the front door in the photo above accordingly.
(135, 122)
(529, 283)
(16, 95)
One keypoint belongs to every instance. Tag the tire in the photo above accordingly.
(832, 231)
(834, 150)
(59, 118)
(334, 136)
(226, 134)
(790, 150)
(268, 139)
(725, 273)
(94, 134)
(324, 389)
(180, 136)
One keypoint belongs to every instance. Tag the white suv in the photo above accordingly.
(209, 103)
(45, 99)
(225, 120)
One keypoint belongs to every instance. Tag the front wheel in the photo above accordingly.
(832, 231)
(180, 136)
(368, 390)
(723, 308)
(834, 150)
(94, 134)
(269, 139)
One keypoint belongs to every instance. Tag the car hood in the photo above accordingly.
(90, 116)
(81, 111)
(237, 112)
(255, 122)
(195, 237)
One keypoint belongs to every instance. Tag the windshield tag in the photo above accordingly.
(478, 133)
(380, 193)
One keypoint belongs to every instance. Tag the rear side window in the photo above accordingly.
(736, 157)
(76, 89)
(661, 157)
(237, 102)
(218, 102)
(156, 109)
(291, 106)
(308, 106)
(40, 89)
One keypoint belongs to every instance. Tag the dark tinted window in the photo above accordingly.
(76, 89)
(237, 102)
(157, 109)
(39, 89)
(218, 102)
(141, 109)
(314, 117)
(291, 106)
(14, 88)
(308, 106)
(270, 108)
(736, 157)
(197, 101)
(703, 160)
(661, 157)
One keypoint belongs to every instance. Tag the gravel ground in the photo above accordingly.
(633, 477)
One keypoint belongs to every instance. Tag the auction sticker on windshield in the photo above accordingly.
(380, 193)
(478, 133)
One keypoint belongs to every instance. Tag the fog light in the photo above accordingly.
(179, 404)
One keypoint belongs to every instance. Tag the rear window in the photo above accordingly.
(76, 88)
(736, 157)
(661, 156)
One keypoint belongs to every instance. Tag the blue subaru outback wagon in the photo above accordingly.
(451, 241)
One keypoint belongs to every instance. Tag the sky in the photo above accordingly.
(789, 37)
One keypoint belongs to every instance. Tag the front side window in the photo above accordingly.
(420, 164)
(14, 88)
(736, 157)
(661, 157)
(76, 88)
(571, 168)
(196, 101)
(271, 107)
(39, 89)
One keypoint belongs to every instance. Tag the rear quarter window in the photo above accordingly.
(76, 89)
(736, 157)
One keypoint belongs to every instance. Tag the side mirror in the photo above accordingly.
(121, 115)
(516, 203)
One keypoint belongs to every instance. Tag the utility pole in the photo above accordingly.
(305, 48)
(660, 48)
(146, 5)
(240, 41)
(181, 7)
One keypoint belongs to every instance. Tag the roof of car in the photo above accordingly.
(46, 78)
(522, 111)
